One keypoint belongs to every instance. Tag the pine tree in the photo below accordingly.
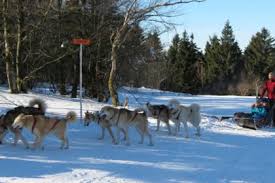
(212, 58)
(259, 54)
(231, 55)
(183, 60)
(172, 52)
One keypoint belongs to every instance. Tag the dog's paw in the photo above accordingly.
(100, 138)
(127, 144)
(140, 142)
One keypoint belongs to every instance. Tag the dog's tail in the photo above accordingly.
(195, 107)
(40, 103)
(70, 117)
(195, 113)
(173, 103)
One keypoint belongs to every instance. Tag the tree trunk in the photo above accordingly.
(62, 81)
(75, 79)
(113, 72)
(20, 84)
(11, 75)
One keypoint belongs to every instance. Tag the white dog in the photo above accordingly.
(180, 113)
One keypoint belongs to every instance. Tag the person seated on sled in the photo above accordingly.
(259, 112)
(269, 88)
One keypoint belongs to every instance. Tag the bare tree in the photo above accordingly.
(11, 75)
(135, 12)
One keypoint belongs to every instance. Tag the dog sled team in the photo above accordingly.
(34, 119)
(121, 119)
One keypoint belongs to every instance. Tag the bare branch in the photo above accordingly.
(30, 75)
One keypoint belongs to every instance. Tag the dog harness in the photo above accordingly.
(55, 123)
(34, 123)
(178, 116)
(135, 115)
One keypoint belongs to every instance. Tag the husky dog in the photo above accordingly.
(8, 118)
(41, 126)
(124, 118)
(161, 113)
(180, 113)
(103, 123)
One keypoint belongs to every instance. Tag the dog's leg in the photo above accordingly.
(198, 131)
(150, 137)
(111, 134)
(168, 127)
(24, 140)
(38, 141)
(102, 133)
(158, 122)
(2, 136)
(40, 146)
(66, 143)
(127, 136)
(64, 140)
(140, 133)
(177, 126)
(118, 135)
(186, 129)
(124, 134)
(17, 136)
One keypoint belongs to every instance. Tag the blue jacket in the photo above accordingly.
(259, 112)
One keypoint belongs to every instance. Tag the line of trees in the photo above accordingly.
(222, 68)
(126, 50)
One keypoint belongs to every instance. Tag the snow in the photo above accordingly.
(224, 153)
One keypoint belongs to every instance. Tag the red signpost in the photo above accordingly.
(81, 42)
(85, 42)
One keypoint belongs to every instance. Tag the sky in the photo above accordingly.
(208, 18)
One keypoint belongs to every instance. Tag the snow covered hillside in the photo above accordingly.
(224, 153)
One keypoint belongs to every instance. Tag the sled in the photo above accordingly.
(258, 117)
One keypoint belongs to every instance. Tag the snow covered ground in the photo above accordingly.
(224, 153)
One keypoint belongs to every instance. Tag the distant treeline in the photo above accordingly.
(32, 33)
